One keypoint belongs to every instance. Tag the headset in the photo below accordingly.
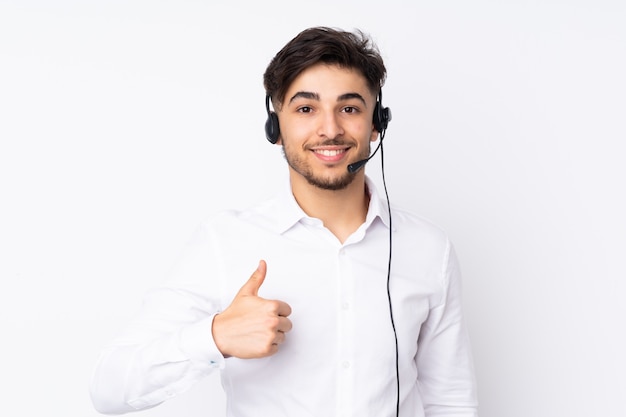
(272, 128)
(381, 119)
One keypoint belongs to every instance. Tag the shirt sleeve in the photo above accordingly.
(168, 346)
(444, 360)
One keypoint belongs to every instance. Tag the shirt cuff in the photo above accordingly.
(196, 342)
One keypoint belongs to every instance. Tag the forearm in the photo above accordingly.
(448, 411)
(131, 377)
(108, 383)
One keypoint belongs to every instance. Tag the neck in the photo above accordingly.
(341, 211)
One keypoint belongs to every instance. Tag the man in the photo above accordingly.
(333, 322)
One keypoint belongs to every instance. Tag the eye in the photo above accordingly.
(304, 109)
(350, 110)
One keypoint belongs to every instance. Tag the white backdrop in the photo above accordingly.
(124, 123)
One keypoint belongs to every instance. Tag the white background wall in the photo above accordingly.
(124, 123)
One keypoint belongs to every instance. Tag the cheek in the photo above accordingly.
(293, 131)
(361, 131)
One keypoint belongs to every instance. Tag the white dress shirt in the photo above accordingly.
(339, 358)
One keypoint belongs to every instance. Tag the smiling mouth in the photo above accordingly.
(330, 152)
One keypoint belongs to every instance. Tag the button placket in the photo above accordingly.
(345, 375)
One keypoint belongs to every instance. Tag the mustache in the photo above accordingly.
(332, 142)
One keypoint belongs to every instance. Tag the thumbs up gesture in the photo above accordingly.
(251, 326)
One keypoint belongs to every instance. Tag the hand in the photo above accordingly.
(251, 326)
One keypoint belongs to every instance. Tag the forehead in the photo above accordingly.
(328, 81)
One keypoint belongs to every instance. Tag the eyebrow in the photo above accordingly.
(305, 94)
(349, 96)
(315, 96)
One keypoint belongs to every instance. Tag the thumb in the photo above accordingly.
(251, 287)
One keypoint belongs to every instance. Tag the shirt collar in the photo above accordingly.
(286, 212)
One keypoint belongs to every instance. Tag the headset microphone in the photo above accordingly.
(355, 166)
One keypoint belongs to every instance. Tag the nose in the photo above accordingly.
(330, 126)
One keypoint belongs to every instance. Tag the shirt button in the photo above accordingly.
(345, 364)
(345, 305)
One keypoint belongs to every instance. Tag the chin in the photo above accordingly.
(331, 184)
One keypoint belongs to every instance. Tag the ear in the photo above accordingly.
(374, 134)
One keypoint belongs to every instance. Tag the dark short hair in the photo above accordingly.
(353, 50)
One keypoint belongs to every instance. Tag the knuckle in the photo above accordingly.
(268, 349)
(273, 305)
(272, 322)
(288, 325)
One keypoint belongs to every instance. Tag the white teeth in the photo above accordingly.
(330, 152)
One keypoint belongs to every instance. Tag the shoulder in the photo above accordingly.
(421, 237)
(264, 214)
(405, 221)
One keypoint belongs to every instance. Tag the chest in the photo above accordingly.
(338, 294)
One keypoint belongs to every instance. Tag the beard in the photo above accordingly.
(325, 182)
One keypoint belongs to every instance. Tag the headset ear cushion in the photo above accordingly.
(272, 128)
(381, 117)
